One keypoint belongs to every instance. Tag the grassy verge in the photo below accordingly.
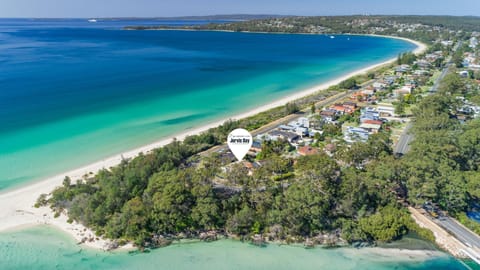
(472, 225)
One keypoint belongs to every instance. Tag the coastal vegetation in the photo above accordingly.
(407, 58)
(355, 194)
(442, 166)
(422, 28)
(164, 194)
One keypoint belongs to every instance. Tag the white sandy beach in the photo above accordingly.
(379, 254)
(16, 206)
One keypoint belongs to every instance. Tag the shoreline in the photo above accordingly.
(421, 47)
(16, 205)
(379, 254)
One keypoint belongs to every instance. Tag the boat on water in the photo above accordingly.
(92, 20)
(332, 36)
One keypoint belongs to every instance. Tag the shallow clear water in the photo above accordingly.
(45, 248)
(73, 92)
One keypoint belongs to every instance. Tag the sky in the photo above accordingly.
(171, 8)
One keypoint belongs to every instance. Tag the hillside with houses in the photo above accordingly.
(321, 170)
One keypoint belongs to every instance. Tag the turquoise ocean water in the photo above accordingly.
(73, 92)
(45, 248)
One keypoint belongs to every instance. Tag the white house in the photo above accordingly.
(386, 111)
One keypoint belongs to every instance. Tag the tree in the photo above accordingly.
(206, 211)
(406, 58)
(386, 225)
(471, 74)
(469, 142)
(321, 170)
(350, 83)
(454, 193)
(306, 209)
(458, 60)
(318, 136)
(67, 182)
(170, 200)
(409, 98)
(452, 83)
(476, 75)
(291, 108)
(271, 148)
(331, 130)
(242, 221)
(134, 216)
(400, 108)
(313, 109)
(438, 63)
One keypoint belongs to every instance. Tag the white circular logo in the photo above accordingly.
(239, 142)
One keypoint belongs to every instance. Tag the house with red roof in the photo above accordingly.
(307, 151)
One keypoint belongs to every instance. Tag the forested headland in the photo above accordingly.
(422, 28)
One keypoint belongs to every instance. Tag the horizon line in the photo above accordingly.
(240, 15)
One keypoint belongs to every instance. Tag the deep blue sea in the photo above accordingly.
(74, 92)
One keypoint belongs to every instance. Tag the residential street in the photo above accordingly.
(403, 144)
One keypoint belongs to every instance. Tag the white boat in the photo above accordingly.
(332, 36)
(92, 20)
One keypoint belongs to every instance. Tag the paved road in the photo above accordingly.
(445, 69)
(403, 144)
(440, 78)
(273, 125)
(459, 231)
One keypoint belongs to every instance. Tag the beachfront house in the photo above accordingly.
(355, 134)
(369, 117)
(379, 86)
(256, 146)
(371, 121)
(351, 106)
(302, 122)
(328, 115)
(299, 126)
(307, 151)
(275, 135)
(420, 72)
(386, 111)
(389, 80)
(339, 109)
(402, 69)
(301, 131)
(422, 64)
(286, 128)
(345, 108)
(371, 128)
(369, 113)
(316, 123)
(404, 90)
